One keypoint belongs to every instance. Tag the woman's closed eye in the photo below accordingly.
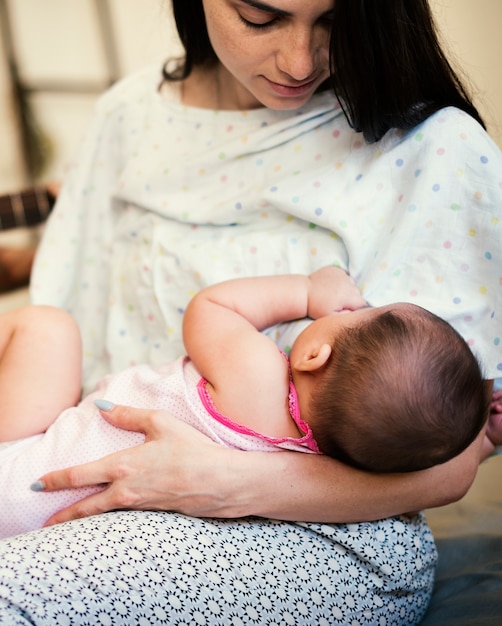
(257, 18)
(257, 25)
(255, 14)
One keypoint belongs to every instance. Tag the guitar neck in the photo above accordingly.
(27, 208)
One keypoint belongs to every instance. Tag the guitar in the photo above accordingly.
(27, 208)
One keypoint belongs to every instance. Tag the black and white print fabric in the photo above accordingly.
(149, 568)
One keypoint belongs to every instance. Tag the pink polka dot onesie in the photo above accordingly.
(80, 435)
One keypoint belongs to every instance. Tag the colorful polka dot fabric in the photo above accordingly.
(163, 199)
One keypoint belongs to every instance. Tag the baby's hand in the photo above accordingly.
(496, 403)
(332, 290)
(493, 433)
(494, 428)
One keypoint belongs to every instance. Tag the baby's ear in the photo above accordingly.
(315, 360)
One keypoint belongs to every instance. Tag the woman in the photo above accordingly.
(242, 162)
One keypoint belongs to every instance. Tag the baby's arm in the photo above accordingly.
(221, 333)
(237, 309)
(260, 302)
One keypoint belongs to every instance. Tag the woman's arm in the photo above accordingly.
(179, 469)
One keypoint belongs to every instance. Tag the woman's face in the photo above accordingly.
(273, 52)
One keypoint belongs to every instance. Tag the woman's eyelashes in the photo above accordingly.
(258, 25)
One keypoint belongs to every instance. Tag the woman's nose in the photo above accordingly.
(302, 52)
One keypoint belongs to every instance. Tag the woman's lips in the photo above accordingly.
(290, 91)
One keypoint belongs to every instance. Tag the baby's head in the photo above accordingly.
(401, 391)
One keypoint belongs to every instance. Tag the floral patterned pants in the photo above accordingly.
(144, 568)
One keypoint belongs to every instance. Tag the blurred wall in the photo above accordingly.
(66, 53)
(61, 54)
(473, 35)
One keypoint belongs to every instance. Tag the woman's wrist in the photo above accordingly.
(254, 484)
(220, 485)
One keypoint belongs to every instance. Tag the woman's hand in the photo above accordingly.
(168, 472)
(179, 469)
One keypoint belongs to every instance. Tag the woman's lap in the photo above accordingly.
(158, 568)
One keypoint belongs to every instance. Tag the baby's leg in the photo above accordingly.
(40, 369)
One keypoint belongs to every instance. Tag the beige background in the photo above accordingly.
(473, 35)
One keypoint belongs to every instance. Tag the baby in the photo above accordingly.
(387, 389)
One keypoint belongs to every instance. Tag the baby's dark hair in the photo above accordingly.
(401, 392)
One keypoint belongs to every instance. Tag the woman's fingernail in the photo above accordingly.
(38, 485)
(104, 405)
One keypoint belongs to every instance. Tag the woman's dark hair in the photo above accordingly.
(192, 30)
(388, 68)
(387, 65)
